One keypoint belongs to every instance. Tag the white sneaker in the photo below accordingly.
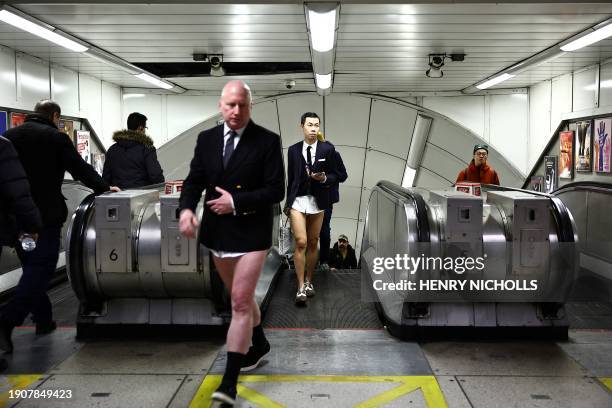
(301, 296)
(309, 289)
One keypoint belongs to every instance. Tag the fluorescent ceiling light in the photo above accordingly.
(494, 81)
(323, 81)
(322, 29)
(43, 32)
(154, 81)
(589, 39)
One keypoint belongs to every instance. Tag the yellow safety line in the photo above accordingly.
(256, 397)
(607, 381)
(17, 382)
(208, 386)
(428, 384)
(387, 396)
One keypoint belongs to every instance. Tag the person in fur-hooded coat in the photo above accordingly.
(132, 161)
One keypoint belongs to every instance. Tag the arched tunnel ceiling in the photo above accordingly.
(373, 136)
(380, 47)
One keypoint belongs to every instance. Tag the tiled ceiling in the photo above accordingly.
(380, 47)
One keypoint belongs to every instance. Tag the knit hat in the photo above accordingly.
(343, 237)
(481, 147)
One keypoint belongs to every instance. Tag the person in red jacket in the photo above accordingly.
(479, 170)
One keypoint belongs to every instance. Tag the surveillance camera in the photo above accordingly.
(290, 84)
(437, 60)
(215, 61)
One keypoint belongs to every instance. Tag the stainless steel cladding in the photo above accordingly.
(446, 258)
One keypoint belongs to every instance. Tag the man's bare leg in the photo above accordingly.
(242, 274)
(298, 226)
(313, 230)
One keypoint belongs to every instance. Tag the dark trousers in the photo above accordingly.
(38, 267)
(324, 237)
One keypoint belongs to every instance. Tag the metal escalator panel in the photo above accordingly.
(130, 265)
(447, 258)
(588, 205)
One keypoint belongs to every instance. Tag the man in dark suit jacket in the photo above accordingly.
(311, 173)
(240, 164)
(46, 154)
(325, 229)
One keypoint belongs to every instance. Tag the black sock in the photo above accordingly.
(232, 370)
(259, 338)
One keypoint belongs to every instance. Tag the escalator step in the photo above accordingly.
(337, 304)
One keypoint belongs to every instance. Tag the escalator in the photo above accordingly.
(590, 303)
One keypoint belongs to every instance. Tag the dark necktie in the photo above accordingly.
(309, 158)
(229, 148)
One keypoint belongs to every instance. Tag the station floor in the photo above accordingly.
(343, 358)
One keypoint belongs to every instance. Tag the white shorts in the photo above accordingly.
(225, 254)
(306, 205)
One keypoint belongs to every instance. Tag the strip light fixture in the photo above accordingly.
(323, 81)
(322, 22)
(592, 35)
(44, 31)
(153, 80)
(600, 32)
(48, 32)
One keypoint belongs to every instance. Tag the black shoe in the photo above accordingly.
(46, 328)
(253, 357)
(6, 343)
(225, 395)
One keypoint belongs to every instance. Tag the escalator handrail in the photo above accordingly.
(420, 207)
(562, 216)
(596, 186)
(74, 247)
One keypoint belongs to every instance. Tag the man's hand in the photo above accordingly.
(115, 189)
(287, 211)
(318, 176)
(223, 204)
(188, 223)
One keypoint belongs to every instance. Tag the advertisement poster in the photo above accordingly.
(98, 162)
(3, 118)
(601, 162)
(17, 119)
(584, 146)
(566, 144)
(537, 183)
(83, 145)
(66, 126)
(550, 174)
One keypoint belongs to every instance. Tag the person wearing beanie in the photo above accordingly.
(479, 170)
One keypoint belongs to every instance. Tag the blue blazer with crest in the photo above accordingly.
(324, 160)
(255, 177)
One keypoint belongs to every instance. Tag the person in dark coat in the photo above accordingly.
(342, 255)
(45, 154)
(132, 161)
(325, 228)
(18, 213)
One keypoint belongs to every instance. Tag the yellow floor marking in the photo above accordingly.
(427, 383)
(607, 381)
(257, 398)
(16, 382)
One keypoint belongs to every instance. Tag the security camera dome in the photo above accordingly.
(437, 60)
(290, 84)
(215, 61)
